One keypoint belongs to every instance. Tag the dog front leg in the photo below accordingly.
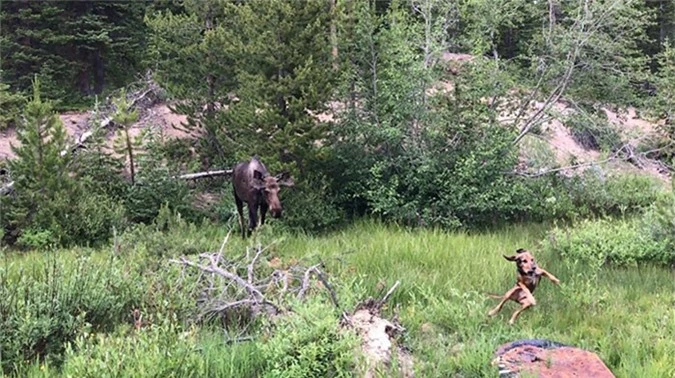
(550, 277)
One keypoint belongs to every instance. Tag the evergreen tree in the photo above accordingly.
(268, 63)
(40, 170)
(77, 48)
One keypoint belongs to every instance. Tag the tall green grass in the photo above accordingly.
(626, 315)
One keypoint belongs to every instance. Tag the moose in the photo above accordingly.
(254, 185)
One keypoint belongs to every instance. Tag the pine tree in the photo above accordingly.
(269, 62)
(40, 170)
(77, 48)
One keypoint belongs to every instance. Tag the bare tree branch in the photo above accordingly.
(389, 293)
(223, 273)
(328, 286)
(200, 175)
(252, 264)
(305, 281)
(614, 156)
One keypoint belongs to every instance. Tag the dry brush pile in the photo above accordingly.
(241, 290)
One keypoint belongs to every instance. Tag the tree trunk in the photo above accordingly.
(333, 34)
(130, 151)
(99, 72)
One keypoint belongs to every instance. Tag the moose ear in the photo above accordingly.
(510, 258)
(285, 179)
(258, 175)
(258, 182)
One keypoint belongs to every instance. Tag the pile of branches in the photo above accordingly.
(242, 289)
(236, 286)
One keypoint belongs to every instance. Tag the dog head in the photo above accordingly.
(524, 261)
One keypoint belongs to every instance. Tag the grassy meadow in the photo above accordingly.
(625, 315)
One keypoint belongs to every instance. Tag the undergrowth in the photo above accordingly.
(623, 314)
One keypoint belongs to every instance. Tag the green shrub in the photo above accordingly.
(659, 220)
(593, 131)
(609, 242)
(163, 349)
(309, 206)
(591, 193)
(49, 299)
(159, 350)
(310, 343)
(36, 239)
(156, 187)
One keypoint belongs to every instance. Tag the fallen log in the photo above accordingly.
(7, 189)
(201, 175)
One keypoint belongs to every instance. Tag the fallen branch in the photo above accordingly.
(107, 121)
(322, 277)
(252, 264)
(327, 285)
(213, 268)
(305, 281)
(201, 175)
(614, 156)
(389, 293)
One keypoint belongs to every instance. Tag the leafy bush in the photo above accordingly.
(601, 242)
(591, 193)
(659, 220)
(51, 299)
(309, 205)
(310, 343)
(155, 188)
(159, 350)
(593, 131)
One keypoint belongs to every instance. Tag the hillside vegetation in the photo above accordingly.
(425, 138)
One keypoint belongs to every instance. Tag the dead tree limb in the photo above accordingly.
(329, 287)
(389, 293)
(251, 266)
(107, 121)
(201, 175)
(615, 156)
(322, 277)
(252, 290)
(305, 281)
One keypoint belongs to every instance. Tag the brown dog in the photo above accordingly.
(529, 275)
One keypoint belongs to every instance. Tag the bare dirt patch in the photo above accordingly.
(156, 118)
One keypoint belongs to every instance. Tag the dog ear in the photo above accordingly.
(510, 258)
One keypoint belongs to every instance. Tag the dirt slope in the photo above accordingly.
(556, 135)
(158, 117)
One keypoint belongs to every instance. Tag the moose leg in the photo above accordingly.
(240, 210)
(252, 216)
(263, 212)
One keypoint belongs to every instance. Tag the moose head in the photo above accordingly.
(269, 186)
